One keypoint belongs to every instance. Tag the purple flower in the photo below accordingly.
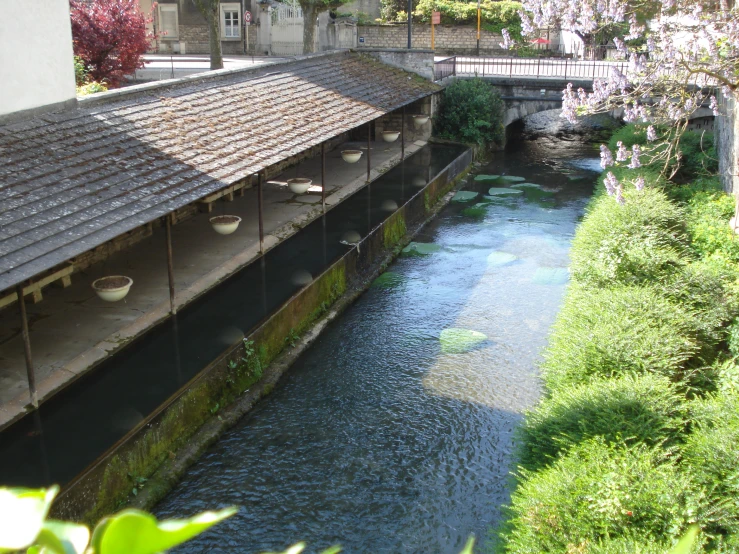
(507, 41)
(651, 134)
(635, 153)
(639, 183)
(622, 153)
(611, 183)
(714, 105)
(606, 158)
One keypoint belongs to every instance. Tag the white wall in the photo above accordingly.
(36, 60)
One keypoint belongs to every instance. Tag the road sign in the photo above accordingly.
(435, 18)
(247, 18)
(361, 39)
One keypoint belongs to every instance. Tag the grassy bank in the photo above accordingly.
(637, 435)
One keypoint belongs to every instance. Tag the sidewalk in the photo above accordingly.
(72, 329)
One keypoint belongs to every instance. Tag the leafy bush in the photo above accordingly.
(472, 112)
(598, 492)
(711, 457)
(685, 192)
(708, 215)
(630, 135)
(91, 88)
(610, 332)
(494, 15)
(631, 409)
(633, 243)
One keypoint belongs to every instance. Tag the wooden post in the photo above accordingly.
(261, 220)
(27, 346)
(170, 268)
(323, 176)
(369, 136)
(402, 135)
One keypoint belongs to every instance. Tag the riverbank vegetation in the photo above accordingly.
(637, 436)
(471, 111)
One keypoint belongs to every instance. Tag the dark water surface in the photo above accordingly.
(377, 439)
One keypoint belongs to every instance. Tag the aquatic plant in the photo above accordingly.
(459, 341)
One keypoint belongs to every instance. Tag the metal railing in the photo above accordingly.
(537, 68)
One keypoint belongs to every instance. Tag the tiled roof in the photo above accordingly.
(70, 181)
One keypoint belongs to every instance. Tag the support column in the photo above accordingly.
(170, 268)
(323, 176)
(369, 144)
(27, 347)
(260, 182)
(402, 135)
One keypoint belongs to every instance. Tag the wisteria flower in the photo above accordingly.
(606, 158)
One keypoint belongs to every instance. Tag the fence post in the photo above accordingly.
(594, 63)
(565, 68)
(538, 68)
(511, 72)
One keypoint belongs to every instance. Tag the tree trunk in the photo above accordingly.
(310, 14)
(216, 59)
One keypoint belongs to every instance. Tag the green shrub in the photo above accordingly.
(494, 15)
(472, 112)
(91, 88)
(631, 409)
(697, 155)
(708, 215)
(685, 192)
(633, 243)
(594, 493)
(733, 333)
(609, 332)
(630, 135)
(711, 457)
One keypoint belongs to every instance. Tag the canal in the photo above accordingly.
(394, 431)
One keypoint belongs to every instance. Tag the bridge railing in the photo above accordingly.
(537, 68)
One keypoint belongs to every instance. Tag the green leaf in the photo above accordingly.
(468, 547)
(487, 177)
(22, 512)
(61, 537)
(685, 544)
(136, 532)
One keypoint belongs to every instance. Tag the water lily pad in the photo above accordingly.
(504, 191)
(512, 178)
(551, 276)
(538, 194)
(387, 280)
(464, 196)
(497, 258)
(421, 249)
(459, 341)
(487, 177)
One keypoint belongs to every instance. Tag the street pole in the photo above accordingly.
(410, 12)
(478, 27)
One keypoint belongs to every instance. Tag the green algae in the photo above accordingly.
(498, 258)
(464, 196)
(497, 191)
(459, 341)
(388, 280)
(393, 230)
(421, 249)
(551, 276)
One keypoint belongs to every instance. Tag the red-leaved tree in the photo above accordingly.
(110, 37)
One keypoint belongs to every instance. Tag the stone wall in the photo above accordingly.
(420, 62)
(727, 133)
(456, 39)
(194, 39)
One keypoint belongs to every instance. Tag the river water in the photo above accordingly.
(382, 439)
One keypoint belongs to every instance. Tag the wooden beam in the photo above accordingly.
(27, 347)
(260, 182)
(323, 176)
(170, 268)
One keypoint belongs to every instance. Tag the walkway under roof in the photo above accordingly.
(72, 180)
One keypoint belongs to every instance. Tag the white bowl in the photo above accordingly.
(351, 156)
(225, 224)
(420, 119)
(390, 136)
(299, 185)
(112, 294)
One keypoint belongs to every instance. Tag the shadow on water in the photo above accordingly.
(377, 438)
(72, 429)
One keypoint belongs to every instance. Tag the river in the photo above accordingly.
(381, 438)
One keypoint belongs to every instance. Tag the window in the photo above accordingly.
(168, 21)
(230, 19)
